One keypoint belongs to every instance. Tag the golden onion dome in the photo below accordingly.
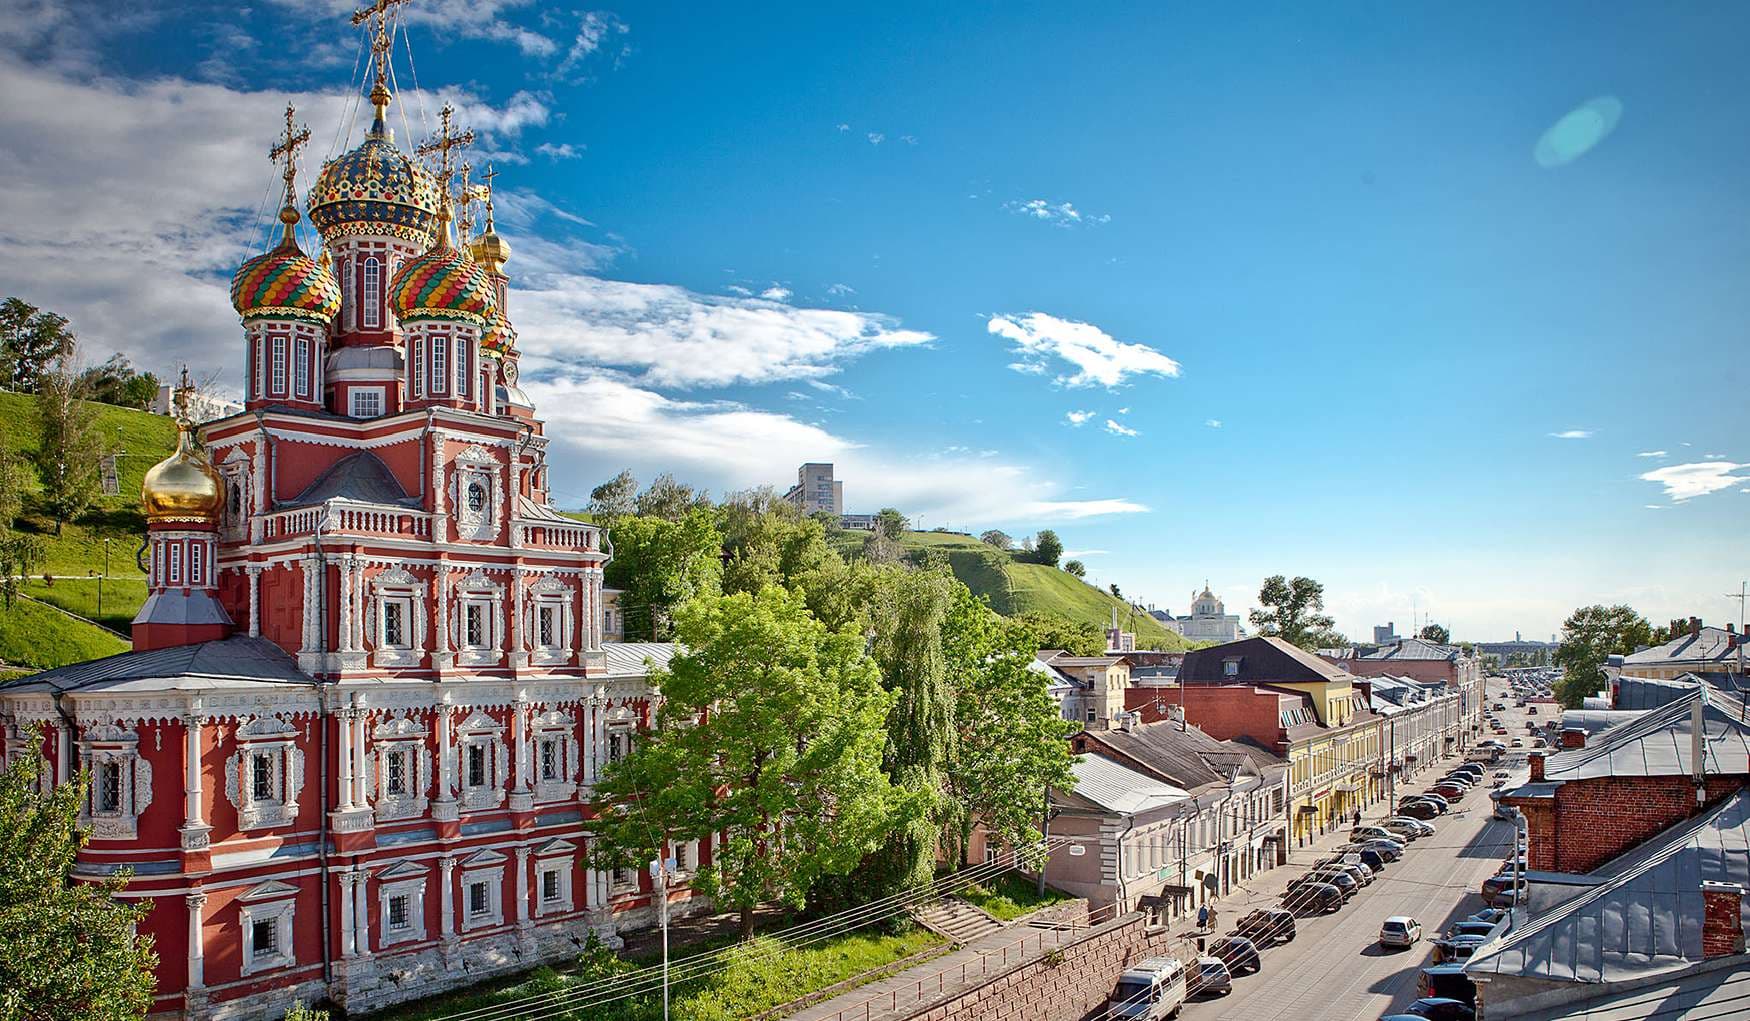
(183, 487)
(490, 251)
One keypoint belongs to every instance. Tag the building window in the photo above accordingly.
(547, 628)
(418, 367)
(176, 563)
(475, 615)
(1090, 714)
(261, 776)
(394, 624)
(267, 927)
(277, 381)
(476, 497)
(622, 880)
(266, 938)
(479, 899)
(476, 765)
(1230, 667)
(462, 371)
(550, 885)
(396, 780)
(440, 368)
(109, 788)
(619, 744)
(301, 366)
(373, 293)
(398, 915)
(550, 759)
(365, 402)
(194, 561)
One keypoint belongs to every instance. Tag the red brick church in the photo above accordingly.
(352, 753)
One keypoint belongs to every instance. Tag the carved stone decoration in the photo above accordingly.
(476, 487)
(482, 731)
(551, 595)
(121, 788)
(274, 742)
(396, 585)
(478, 590)
(558, 729)
(400, 736)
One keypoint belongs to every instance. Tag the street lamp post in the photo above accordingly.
(100, 578)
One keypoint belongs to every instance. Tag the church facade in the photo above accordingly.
(352, 754)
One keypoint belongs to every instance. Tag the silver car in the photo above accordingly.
(1400, 931)
(1212, 978)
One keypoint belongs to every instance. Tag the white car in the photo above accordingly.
(1410, 829)
(1400, 931)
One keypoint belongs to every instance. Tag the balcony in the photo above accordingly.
(347, 518)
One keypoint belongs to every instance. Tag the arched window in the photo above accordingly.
(373, 287)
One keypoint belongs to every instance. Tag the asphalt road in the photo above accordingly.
(1335, 969)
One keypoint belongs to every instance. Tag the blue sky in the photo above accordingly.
(1320, 298)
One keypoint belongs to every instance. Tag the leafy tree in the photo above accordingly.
(1052, 631)
(69, 446)
(68, 949)
(998, 538)
(1047, 547)
(1076, 567)
(890, 523)
(1113, 588)
(665, 498)
(1290, 611)
(615, 498)
(1011, 740)
(14, 483)
(30, 341)
(767, 541)
(770, 734)
(118, 382)
(19, 555)
(881, 548)
(660, 564)
(1436, 633)
(1590, 635)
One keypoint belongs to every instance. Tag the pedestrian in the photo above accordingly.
(1203, 917)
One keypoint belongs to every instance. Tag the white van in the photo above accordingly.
(1154, 988)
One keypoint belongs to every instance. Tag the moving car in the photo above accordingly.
(1154, 988)
(1239, 954)
(1400, 931)
(1212, 978)
(1267, 925)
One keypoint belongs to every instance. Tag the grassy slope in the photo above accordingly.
(1014, 587)
(39, 636)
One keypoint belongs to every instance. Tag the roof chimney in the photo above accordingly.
(1573, 737)
(1694, 626)
(1722, 925)
(1536, 758)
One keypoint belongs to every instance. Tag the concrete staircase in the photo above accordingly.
(955, 919)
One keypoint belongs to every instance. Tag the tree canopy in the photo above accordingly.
(998, 538)
(1047, 547)
(30, 341)
(660, 564)
(1291, 611)
(1590, 635)
(1076, 567)
(1436, 633)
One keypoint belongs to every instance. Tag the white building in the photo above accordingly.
(816, 490)
(1208, 621)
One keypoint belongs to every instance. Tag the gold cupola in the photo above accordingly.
(184, 487)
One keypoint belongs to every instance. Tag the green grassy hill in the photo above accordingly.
(35, 635)
(1014, 587)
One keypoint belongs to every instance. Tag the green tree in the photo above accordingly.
(1291, 612)
(299, 1012)
(890, 522)
(30, 341)
(69, 446)
(1011, 740)
(1047, 547)
(1436, 633)
(615, 498)
(998, 538)
(15, 477)
(117, 382)
(1590, 635)
(68, 949)
(1116, 593)
(1076, 567)
(770, 734)
(1052, 631)
(20, 554)
(665, 498)
(767, 541)
(660, 564)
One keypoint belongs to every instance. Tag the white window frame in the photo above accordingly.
(617, 742)
(557, 859)
(482, 731)
(464, 383)
(476, 465)
(358, 397)
(195, 562)
(622, 881)
(301, 367)
(175, 561)
(396, 587)
(280, 912)
(273, 740)
(490, 871)
(418, 364)
(440, 363)
(552, 596)
(479, 590)
(557, 730)
(103, 747)
(372, 271)
(391, 886)
(276, 386)
(400, 736)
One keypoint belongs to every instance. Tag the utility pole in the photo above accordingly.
(1742, 595)
(659, 872)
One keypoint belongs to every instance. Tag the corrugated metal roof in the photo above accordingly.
(1415, 648)
(1712, 644)
(1712, 992)
(239, 659)
(629, 659)
(1596, 721)
(1181, 756)
(1643, 920)
(1112, 786)
(1659, 743)
(1652, 692)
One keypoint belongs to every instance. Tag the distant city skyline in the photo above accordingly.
(1441, 307)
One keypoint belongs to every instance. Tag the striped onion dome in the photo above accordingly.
(284, 283)
(442, 284)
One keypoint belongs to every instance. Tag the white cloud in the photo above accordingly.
(840, 290)
(909, 139)
(597, 31)
(776, 292)
(1213, 423)
(602, 421)
(1714, 457)
(1099, 358)
(1573, 434)
(844, 127)
(1686, 481)
(561, 151)
(876, 138)
(1124, 411)
(671, 336)
(833, 389)
(1120, 430)
(1078, 417)
(740, 290)
(1651, 453)
(1061, 214)
(1074, 554)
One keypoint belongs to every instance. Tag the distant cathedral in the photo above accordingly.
(1209, 620)
(353, 753)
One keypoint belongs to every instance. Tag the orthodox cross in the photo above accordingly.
(378, 12)
(184, 390)
(287, 147)
(486, 180)
(441, 144)
(466, 196)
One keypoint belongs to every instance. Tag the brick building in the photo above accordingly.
(1422, 660)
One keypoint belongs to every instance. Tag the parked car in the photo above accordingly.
(1390, 850)
(1154, 988)
(1498, 891)
(1457, 948)
(1400, 931)
(1450, 791)
(1313, 898)
(1368, 832)
(1339, 878)
(1440, 1008)
(1469, 928)
(1448, 982)
(1213, 978)
(1421, 811)
(1440, 799)
(1408, 827)
(1239, 954)
(1489, 915)
(1267, 925)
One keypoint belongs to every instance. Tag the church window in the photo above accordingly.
(373, 275)
(176, 563)
(476, 497)
(550, 759)
(277, 381)
(548, 630)
(419, 367)
(398, 913)
(266, 936)
(440, 366)
(476, 765)
(479, 898)
(475, 612)
(365, 401)
(266, 917)
(194, 562)
(619, 744)
(396, 780)
(622, 879)
(550, 885)
(301, 366)
(394, 623)
(462, 370)
(261, 776)
(109, 788)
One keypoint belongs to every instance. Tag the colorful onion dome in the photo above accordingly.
(285, 283)
(500, 335)
(375, 189)
(184, 487)
(442, 284)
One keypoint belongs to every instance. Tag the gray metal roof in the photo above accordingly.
(1644, 919)
(1652, 692)
(1186, 758)
(1659, 744)
(1112, 786)
(1710, 645)
(1715, 992)
(629, 659)
(1415, 648)
(1596, 721)
(362, 476)
(232, 659)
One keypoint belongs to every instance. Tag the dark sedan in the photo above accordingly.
(1238, 953)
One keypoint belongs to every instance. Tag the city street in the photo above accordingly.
(1335, 968)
